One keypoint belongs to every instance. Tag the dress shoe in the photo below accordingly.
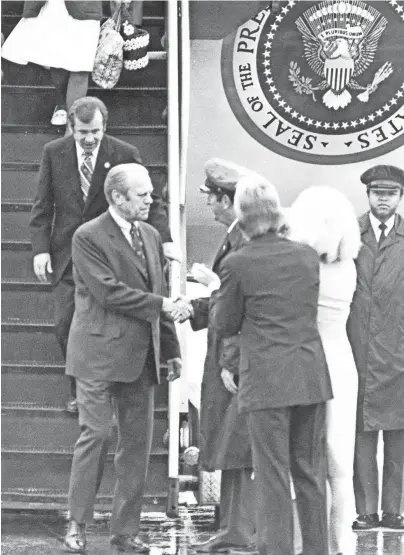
(75, 539)
(394, 521)
(128, 544)
(366, 522)
(71, 406)
(216, 544)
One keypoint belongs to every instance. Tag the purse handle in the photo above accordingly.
(117, 17)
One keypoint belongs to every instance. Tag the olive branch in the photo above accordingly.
(301, 84)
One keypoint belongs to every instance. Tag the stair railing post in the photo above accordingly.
(174, 388)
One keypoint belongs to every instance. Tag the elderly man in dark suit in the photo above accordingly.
(120, 319)
(224, 439)
(269, 293)
(70, 192)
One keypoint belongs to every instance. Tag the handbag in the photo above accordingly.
(136, 43)
(108, 60)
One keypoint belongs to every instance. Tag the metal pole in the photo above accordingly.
(174, 201)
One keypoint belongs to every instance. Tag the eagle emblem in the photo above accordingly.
(340, 41)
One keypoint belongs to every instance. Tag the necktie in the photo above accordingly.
(86, 170)
(137, 244)
(382, 237)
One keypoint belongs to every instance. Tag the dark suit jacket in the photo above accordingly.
(117, 315)
(59, 207)
(224, 440)
(269, 293)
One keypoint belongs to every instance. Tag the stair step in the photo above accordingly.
(27, 302)
(155, 74)
(21, 469)
(52, 428)
(30, 341)
(154, 25)
(34, 499)
(47, 385)
(16, 261)
(20, 180)
(22, 143)
(31, 105)
(150, 8)
(14, 225)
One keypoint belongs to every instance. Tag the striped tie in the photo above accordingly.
(86, 170)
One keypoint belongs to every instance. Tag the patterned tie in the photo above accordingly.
(382, 237)
(137, 244)
(86, 170)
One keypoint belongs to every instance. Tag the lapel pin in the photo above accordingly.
(107, 165)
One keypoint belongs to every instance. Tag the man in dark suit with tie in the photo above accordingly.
(71, 192)
(269, 293)
(121, 318)
(224, 441)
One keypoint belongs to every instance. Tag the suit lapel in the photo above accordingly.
(123, 245)
(102, 166)
(69, 164)
(232, 241)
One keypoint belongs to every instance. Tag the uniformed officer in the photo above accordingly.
(376, 331)
(224, 440)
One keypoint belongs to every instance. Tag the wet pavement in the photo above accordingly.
(42, 534)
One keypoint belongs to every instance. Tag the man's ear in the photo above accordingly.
(226, 201)
(116, 197)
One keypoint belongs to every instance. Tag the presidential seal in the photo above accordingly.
(320, 82)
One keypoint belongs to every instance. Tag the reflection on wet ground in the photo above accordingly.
(42, 534)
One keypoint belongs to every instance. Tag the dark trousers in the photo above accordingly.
(133, 406)
(290, 440)
(366, 476)
(237, 507)
(63, 293)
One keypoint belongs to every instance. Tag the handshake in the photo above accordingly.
(177, 310)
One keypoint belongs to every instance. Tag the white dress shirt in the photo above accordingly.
(375, 225)
(81, 154)
(123, 224)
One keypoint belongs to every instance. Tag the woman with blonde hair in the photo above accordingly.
(324, 218)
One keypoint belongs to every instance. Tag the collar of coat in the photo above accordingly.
(364, 224)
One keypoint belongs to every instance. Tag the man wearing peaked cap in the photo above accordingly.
(224, 439)
(376, 331)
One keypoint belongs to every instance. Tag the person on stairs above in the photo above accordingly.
(63, 37)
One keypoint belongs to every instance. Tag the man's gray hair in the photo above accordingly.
(121, 177)
(257, 206)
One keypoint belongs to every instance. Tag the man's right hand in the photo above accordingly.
(42, 264)
(228, 381)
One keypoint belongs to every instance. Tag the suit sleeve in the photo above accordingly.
(158, 217)
(169, 344)
(200, 319)
(43, 209)
(228, 307)
(92, 264)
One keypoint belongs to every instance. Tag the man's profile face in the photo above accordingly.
(135, 205)
(89, 135)
(217, 207)
(384, 202)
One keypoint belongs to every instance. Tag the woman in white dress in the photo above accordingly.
(325, 219)
(62, 36)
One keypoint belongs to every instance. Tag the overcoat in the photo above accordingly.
(224, 440)
(59, 208)
(376, 328)
(77, 9)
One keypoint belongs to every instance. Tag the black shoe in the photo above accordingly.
(366, 522)
(394, 521)
(71, 406)
(75, 539)
(128, 544)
